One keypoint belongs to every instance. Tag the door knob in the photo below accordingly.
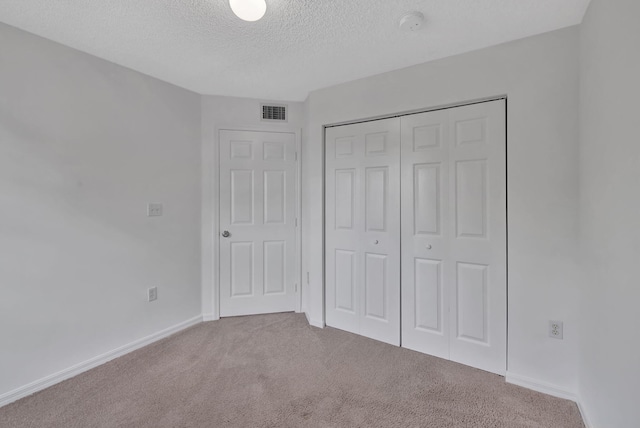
(376, 242)
(429, 246)
(226, 234)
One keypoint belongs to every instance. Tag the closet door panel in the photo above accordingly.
(454, 234)
(362, 229)
(478, 247)
(344, 148)
(425, 233)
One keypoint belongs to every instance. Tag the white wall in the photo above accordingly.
(233, 113)
(539, 75)
(84, 145)
(610, 213)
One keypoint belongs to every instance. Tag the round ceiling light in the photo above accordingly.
(248, 10)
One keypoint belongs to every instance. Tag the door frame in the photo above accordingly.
(408, 113)
(215, 232)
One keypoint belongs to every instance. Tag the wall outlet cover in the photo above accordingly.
(556, 329)
(152, 294)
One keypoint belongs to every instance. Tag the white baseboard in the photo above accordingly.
(312, 322)
(75, 370)
(544, 387)
(209, 317)
(583, 413)
(549, 389)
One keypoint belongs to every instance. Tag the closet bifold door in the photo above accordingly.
(425, 233)
(454, 234)
(362, 229)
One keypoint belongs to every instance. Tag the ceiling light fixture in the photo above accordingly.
(248, 10)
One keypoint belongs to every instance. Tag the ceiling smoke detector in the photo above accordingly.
(412, 21)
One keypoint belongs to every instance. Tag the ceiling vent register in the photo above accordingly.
(273, 112)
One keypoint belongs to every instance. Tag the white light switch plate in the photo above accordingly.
(154, 210)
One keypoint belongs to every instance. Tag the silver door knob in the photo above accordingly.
(429, 246)
(226, 234)
(376, 242)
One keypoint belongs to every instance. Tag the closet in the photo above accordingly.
(415, 232)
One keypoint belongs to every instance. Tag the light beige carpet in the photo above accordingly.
(277, 371)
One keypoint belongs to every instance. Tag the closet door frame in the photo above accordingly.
(504, 98)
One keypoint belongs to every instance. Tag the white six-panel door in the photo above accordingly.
(452, 214)
(363, 229)
(257, 222)
(454, 234)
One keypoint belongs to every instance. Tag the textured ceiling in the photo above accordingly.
(299, 46)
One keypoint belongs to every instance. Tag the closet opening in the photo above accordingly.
(416, 231)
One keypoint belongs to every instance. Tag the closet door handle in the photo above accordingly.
(429, 246)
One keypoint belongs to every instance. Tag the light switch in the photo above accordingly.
(154, 210)
(152, 294)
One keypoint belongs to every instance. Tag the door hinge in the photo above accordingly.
(296, 155)
(296, 222)
(296, 288)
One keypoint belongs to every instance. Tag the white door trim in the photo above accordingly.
(418, 111)
(213, 264)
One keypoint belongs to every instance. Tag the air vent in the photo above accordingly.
(274, 112)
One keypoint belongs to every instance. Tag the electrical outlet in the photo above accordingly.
(154, 210)
(555, 329)
(152, 294)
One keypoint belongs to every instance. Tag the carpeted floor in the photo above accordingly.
(277, 371)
